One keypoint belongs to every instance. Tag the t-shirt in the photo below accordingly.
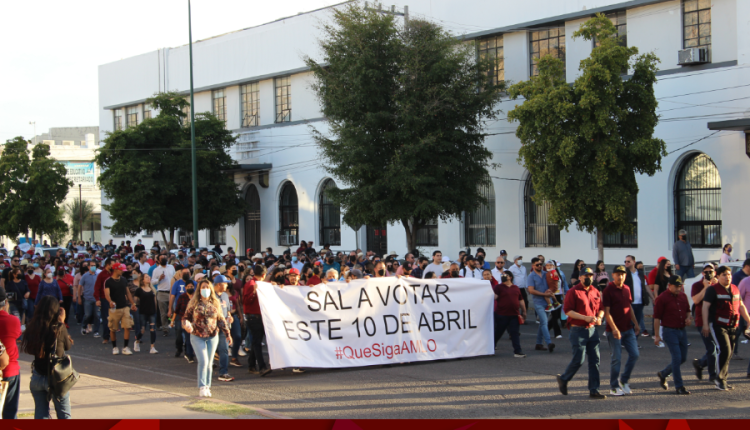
(651, 278)
(508, 299)
(144, 267)
(618, 300)
(19, 289)
(10, 331)
(738, 277)
(65, 288)
(697, 288)
(87, 282)
(637, 289)
(539, 282)
(224, 299)
(62, 344)
(168, 272)
(437, 269)
(117, 291)
(147, 305)
(335, 266)
(33, 283)
(672, 309)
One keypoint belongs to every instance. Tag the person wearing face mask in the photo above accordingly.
(380, 270)
(101, 299)
(139, 247)
(313, 276)
(67, 292)
(583, 306)
(506, 316)
(298, 261)
(87, 299)
(182, 337)
(160, 280)
(726, 254)
(32, 281)
(697, 292)
(682, 255)
(519, 272)
(418, 269)
(49, 287)
(452, 272)
(220, 287)
(671, 316)
(17, 291)
(537, 285)
(330, 263)
(178, 288)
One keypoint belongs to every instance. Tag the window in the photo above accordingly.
(283, 99)
(696, 16)
(539, 231)
(330, 216)
(620, 21)
(622, 240)
(547, 42)
(118, 119)
(492, 47)
(68, 142)
(427, 235)
(51, 142)
(218, 236)
(288, 216)
(146, 111)
(250, 99)
(132, 118)
(697, 200)
(148, 233)
(479, 225)
(186, 111)
(220, 108)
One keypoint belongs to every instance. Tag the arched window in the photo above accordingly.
(697, 202)
(623, 240)
(288, 216)
(330, 216)
(539, 231)
(479, 226)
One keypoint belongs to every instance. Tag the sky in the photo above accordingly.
(50, 50)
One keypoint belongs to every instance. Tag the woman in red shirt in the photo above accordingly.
(67, 292)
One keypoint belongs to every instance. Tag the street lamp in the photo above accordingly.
(80, 209)
(192, 136)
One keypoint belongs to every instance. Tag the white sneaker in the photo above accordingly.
(97, 334)
(661, 345)
(559, 336)
(616, 392)
(137, 346)
(208, 391)
(127, 351)
(23, 328)
(242, 352)
(625, 388)
(153, 351)
(744, 341)
(115, 351)
(202, 392)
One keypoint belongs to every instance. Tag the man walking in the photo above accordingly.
(88, 301)
(583, 307)
(697, 292)
(672, 312)
(160, 280)
(622, 331)
(506, 312)
(121, 303)
(101, 299)
(682, 256)
(636, 281)
(537, 286)
(519, 274)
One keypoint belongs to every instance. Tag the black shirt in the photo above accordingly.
(147, 305)
(19, 289)
(117, 291)
(62, 344)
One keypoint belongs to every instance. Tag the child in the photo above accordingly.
(553, 286)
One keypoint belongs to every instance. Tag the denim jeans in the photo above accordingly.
(686, 271)
(147, 323)
(10, 408)
(709, 358)
(104, 314)
(18, 309)
(676, 341)
(183, 338)
(585, 342)
(542, 332)
(205, 348)
(255, 324)
(136, 322)
(29, 308)
(223, 354)
(638, 310)
(629, 341)
(39, 386)
(91, 314)
(509, 323)
(236, 331)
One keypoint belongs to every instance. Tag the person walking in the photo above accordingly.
(203, 320)
(46, 335)
(66, 289)
(49, 287)
(508, 300)
(726, 254)
(251, 307)
(101, 300)
(583, 306)
(182, 338)
(697, 292)
(519, 272)
(220, 287)
(160, 280)
(682, 256)
(17, 291)
(88, 301)
(537, 286)
(636, 281)
(120, 304)
(10, 331)
(672, 315)
(146, 312)
(622, 330)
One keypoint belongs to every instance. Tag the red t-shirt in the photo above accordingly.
(672, 309)
(99, 285)
(508, 299)
(250, 305)
(314, 280)
(65, 288)
(651, 278)
(33, 284)
(697, 288)
(618, 300)
(10, 331)
(587, 303)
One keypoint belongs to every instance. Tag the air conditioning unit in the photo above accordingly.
(690, 56)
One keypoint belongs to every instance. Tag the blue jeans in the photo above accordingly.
(91, 314)
(638, 310)
(10, 408)
(629, 342)
(584, 341)
(29, 309)
(18, 309)
(685, 271)
(676, 341)
(543, 331)
(148, 323)
(205, 348)
(236, 331)
(183, 338)
(223, 354)
(709, 358)
(39, 386)
(137, 323)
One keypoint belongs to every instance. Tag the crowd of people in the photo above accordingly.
(208, 300)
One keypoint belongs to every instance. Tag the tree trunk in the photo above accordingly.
(600, 243)
(171, 239)
(411, 228)
(164, 239)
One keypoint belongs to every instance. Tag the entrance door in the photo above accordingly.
(377, 240)
(252, 219)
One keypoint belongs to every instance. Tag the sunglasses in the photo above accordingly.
(708, 272)
(537, 265)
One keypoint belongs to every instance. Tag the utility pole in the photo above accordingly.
(80, 208)
(192, 136)
(378, 7)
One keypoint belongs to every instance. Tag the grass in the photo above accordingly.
(25, 415)
(224, 409)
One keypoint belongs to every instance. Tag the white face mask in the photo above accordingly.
(49, 275)
(519, 262)
(205, 293)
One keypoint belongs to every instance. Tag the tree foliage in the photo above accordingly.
(584, 143)
(31, 190)
(75, 211)
(405, 119)
(146, 173)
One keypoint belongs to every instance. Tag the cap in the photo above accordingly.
(516, 257)
(293, 271)
(199, 276)
(197, 266)
(24, 262)
(318, 263)
(675, 280)
(257, 256)
(549, 262)
(356, 274)
(660, 259)
(220, 279)
(709, 265)
(620, 269)
(586, 271)
(503, 252)
(3, 295)
(119, 266)
(216, 272)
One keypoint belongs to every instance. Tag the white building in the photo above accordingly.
(256, 79)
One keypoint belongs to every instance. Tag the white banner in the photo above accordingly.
(376, 321)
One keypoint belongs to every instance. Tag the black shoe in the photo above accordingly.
(551, 347)
(662, 380)
(698, 369)
(265, 371)
(178, 353)
(682, 391)
(253, 372)
(562, 385)
(597, 395)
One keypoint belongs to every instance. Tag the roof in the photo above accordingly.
(742, 124)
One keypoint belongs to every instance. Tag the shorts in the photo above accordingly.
(121, 316)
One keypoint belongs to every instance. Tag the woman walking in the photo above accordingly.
(202, 320)
(48, 287)
(46, 335)
(146, 312)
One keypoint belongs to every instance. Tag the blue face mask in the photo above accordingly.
(205, 293)
(36, 264)
(294, 259)
(92, 268)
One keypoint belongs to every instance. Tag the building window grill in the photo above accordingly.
(539, 231)
(283, 88)
(427, 235)
(697, 198)
(479, 225)
(546, 42)
(624, 240)
(118, 119)
(218, 236)
(696, 19)
(132, 118)
(492, 48)
(330, 217)
(288, 216)
(250, 99)
(220, 107)
(619, 19)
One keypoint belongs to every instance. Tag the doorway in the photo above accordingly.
(252, 219)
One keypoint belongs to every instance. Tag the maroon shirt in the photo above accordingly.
(508, 299)
(587, 303)
(697, 288)
(672, 309)
(618, 300)
(10, 331)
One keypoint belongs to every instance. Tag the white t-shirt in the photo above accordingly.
(637, 288)
(471, 273)
(163, 285)
(498, 274)
(437, 269)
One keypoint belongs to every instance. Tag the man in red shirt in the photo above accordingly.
(507, 302)
(672, 312)
(101, 299)
(697, 292)
(583, 307)
(10, 331)
(254, 320)
(622, 330)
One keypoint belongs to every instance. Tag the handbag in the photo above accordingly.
(62, 375)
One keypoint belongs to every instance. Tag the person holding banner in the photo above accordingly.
(251, 307)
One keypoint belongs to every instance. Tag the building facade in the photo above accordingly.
(257, 81)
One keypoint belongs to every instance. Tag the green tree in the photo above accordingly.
(47, 188)
(14, 172)
(75, 210)
(584, 143)
(405, 119)
(146, 173)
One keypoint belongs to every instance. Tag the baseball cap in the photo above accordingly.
(675, 280)
(516, 257)
(293, 271)
(119, 266)
(620, 269)
(552, 262)
(356, 274)
(318, 263)
(586, 271)
(660, 259)
(258, 255)
(220, 279)
(503, 252)
(711, 265)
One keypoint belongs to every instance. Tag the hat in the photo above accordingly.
(619, 269)
(675, 280)
(516, 257)
(216, 272)
(446, 266)
(197, 266)
(549, 262)
(660, 259)
(293, 271)
(503, 252)
(3, 295)
(586, 271)
(356, 274)
(119, 266)
(557, 263)
(220, 279)
(318, 263)
(393, 253)
(199, 276)
(24, 262)
(257, 256)
(711, 265)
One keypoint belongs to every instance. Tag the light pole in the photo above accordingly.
(34, 123)
(80, 208)
(192, 136)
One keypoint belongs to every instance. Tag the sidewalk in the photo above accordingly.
(101, 398)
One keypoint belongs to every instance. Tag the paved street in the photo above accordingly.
(497, 386)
